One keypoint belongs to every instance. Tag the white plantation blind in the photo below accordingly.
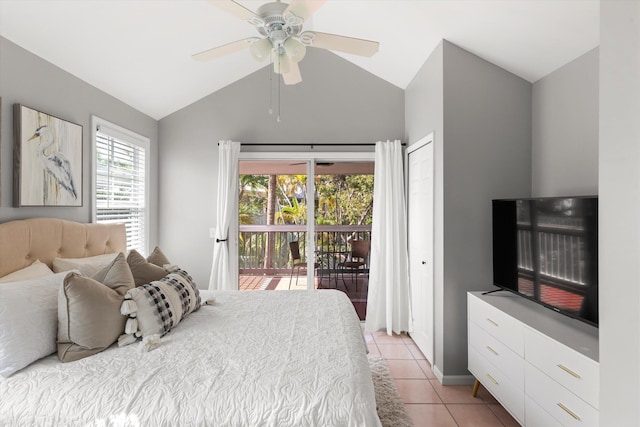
(121, 182)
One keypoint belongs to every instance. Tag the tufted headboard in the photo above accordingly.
(23, 241)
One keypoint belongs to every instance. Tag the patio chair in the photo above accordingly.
(356, 261)
(296, 262)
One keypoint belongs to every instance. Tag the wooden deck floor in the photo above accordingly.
(356, 290)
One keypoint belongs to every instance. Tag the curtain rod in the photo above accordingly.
(301, 144)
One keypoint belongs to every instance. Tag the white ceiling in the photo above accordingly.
(139, 51)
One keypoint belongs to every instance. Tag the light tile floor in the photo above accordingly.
(426, 400)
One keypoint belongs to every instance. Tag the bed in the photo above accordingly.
(289, 358)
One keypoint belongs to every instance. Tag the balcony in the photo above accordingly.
(552, 264)
(264, 269)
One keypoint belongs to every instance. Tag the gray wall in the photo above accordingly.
(337, 102)
(424, 114)
(29, 80)
(483, 152)
(565, 130)
(619, 209)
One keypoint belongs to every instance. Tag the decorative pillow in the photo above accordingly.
(158, 258)
(28, 321)
(144, 271)
(87, 266)
(35, 270)
(157, 307)
(89, 318)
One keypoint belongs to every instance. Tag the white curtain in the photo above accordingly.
(224, 269)
(388, 306)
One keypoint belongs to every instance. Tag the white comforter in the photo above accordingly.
(252, 359)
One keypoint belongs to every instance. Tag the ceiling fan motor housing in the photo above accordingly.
(278, 27)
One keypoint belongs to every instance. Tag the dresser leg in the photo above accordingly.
(476, 385)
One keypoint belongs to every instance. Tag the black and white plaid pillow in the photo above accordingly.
(157, 307)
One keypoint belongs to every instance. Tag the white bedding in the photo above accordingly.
(252, 359)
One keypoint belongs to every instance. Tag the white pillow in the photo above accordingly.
(37, 269)
(28, 321)
(88, 266)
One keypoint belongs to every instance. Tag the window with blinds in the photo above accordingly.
(121, 182)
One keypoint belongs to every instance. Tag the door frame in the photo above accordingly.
(310, 157)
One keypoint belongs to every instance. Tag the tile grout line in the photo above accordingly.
(402, 341)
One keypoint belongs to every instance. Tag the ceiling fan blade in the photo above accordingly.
(303, 8)
(344, 44)
(293, 76)
(239, 11)
(225, 49)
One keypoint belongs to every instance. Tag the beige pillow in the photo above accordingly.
(142, 270)
(35, 270)
(87, 266)
(158, 258)
(89, 318)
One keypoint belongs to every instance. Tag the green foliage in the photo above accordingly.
(252, 197)
(340, 199)
(344, 199)
(294, 214)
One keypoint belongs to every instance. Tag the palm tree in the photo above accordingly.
(271, 215)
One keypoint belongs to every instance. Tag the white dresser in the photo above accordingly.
(541, 365)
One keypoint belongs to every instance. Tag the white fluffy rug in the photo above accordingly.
(390, 407)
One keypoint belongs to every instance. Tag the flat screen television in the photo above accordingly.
(546, 249)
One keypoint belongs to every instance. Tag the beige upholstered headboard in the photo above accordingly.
(24, 241)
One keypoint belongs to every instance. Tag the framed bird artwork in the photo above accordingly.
(47, 160)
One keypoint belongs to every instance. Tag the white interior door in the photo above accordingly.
(420, 223)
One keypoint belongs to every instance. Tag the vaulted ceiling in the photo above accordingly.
(139, 51)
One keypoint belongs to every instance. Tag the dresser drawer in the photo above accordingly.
(503, 327)
(535, 416)
(498, 354)
(573, 370)
(557, 401)
(511, 397)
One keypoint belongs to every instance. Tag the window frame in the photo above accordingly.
(133, 138)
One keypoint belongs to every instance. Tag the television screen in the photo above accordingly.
(546, 249)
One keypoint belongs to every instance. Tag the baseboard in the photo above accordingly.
(453, 379)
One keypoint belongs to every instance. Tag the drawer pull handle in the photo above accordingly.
(492, 351)
(492, 322)
(569, 411)
(493, 380)
(569, 371)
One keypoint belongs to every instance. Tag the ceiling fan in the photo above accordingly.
(317, 163)
(283, 40)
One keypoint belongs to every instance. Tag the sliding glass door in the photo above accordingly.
(298, 213)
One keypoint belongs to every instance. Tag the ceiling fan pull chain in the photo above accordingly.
(279, 92)
(270, 87)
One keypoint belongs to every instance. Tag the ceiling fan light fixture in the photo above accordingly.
(294, 49)
(280, 63)
(261, 49)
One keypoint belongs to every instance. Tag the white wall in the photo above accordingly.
(619, 208)
(29, 80)
(337, 102)
(565, 130)
(481, 115)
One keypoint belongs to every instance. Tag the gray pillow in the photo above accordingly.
(89, 318)
(143, 271)
(158, 258)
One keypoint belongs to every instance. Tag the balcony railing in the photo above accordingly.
(254, 241)
(561, 254)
